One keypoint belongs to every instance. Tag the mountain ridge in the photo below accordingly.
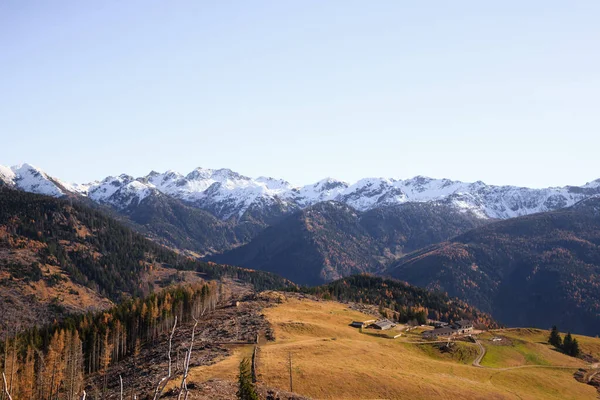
(230, 195)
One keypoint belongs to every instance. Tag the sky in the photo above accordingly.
(504, 92)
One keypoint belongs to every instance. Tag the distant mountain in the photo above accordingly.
(182, 226)
(537, 270)
(330, 240)
(229, 195)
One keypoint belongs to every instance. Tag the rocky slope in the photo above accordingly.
(538, 270)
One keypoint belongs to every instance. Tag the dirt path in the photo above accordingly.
(477, 362)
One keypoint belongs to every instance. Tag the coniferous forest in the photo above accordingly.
(405, 302)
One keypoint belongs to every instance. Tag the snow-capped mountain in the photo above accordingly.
(228, 194)
(28, 178)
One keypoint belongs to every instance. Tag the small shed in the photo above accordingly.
(357, 324)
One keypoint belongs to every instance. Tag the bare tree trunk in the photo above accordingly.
(186, 367)
(83, 395)
(12, 362)
(6, 387)
(121, 381)
(163, 382)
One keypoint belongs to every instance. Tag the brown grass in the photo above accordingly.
(334, 361)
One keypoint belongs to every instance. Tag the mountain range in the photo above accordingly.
(230, 195)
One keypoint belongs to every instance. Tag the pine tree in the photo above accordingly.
(555, 339)
(567, 345)
(575, 348)
(246, 389)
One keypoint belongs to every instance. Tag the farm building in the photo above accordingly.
(458, 328)
(383, 324)
(443, 332)
(361, 324)
(463, 326)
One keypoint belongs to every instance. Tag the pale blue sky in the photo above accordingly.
(506, 93)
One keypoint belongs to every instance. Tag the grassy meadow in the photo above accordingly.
(331, 360)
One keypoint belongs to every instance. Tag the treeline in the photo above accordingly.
(49, 363)
(400, 301)
(95, 250)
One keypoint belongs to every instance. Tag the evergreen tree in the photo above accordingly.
(575, 348)
(555, 339)
(567, 345)
(571, 346)
(246, 389)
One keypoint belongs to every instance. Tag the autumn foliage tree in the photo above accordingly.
(49, 363)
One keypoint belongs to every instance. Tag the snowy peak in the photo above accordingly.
(593, 184)
(7, 176)
(274, 184)
(31, 179)
(324, 190)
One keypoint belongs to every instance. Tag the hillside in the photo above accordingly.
(331, 240)
(332, 360)
(403, 302)
(58, 256)
(538, 270)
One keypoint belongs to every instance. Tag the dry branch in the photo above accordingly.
(6, 387)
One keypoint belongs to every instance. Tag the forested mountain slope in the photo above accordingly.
(60, 256)
(538, 270)
(331, 240)
(179, 225)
